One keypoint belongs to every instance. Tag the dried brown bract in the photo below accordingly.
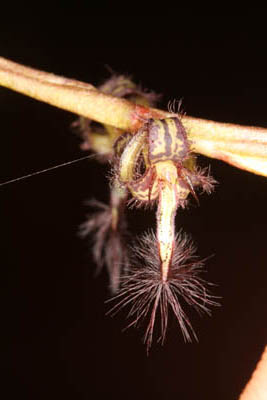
(108, 226)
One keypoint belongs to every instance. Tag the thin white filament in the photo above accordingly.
(50, 168)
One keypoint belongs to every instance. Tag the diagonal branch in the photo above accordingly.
(242, 146)
(256, 388)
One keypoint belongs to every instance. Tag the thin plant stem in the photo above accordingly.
(242, 146)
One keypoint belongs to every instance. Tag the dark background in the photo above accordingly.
(57, 340)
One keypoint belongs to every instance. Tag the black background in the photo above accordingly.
(57, 340)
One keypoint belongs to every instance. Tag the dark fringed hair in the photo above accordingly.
(148, 297)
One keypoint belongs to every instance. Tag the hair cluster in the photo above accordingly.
(148, 297)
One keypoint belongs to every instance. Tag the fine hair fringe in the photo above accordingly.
(149, 298)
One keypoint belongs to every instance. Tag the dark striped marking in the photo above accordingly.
(167, 140)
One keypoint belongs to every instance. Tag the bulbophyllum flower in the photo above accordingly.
(170, 174)
(157, 165)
